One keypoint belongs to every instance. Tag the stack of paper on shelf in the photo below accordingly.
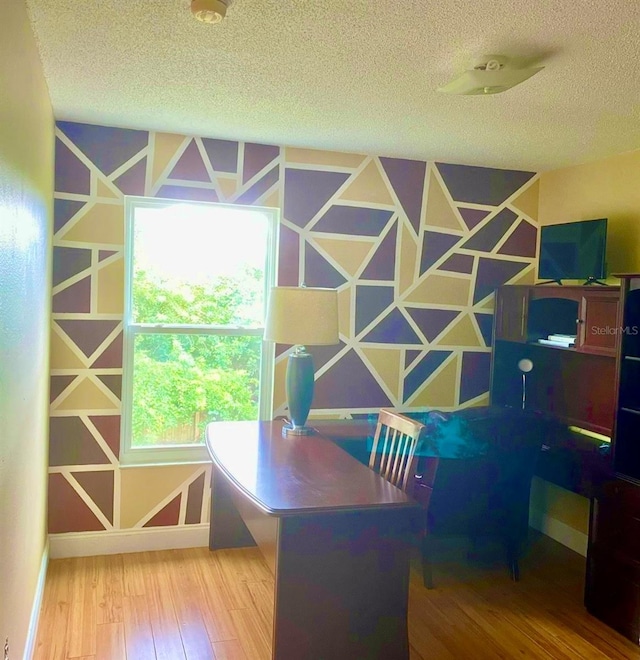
(564, 341)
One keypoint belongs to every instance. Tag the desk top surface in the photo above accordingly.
(294, 475)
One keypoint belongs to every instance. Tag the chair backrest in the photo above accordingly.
(393, 454)
(488, 492)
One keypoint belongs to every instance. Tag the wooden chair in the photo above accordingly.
(393, 454)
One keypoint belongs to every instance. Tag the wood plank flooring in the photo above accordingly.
(195, 605)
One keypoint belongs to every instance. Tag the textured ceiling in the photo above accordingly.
(354, 75)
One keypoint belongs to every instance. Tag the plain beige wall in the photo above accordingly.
(26, 200)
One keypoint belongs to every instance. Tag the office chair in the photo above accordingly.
(485, 494)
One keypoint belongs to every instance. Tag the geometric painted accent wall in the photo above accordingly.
(414, 249)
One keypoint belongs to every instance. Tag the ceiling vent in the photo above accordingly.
(210, 11)
(492, 75)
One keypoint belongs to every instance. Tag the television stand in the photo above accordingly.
(559, 282)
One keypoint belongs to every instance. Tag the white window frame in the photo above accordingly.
(186, 453)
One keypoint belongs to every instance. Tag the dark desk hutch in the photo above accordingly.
(593, 384)
(576, 384)
(613, 558)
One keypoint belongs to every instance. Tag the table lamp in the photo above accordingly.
(302, 316)
(525, 365)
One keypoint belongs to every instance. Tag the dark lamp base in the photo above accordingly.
(299, 390)
(288, 430)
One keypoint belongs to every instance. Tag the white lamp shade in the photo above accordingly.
(302, 315)
(525, 365)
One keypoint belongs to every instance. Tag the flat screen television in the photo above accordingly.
(573, 251)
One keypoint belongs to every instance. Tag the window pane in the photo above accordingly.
(196, 265)
(183, 381)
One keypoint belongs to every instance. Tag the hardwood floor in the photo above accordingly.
(196, 604)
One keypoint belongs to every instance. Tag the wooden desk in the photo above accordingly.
(335, 534)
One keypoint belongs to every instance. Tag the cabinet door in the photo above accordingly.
(612, 589)
(612, 593)
(510, 319)
(599, 322)
(616, 520)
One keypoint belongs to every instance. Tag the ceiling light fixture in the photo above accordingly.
(210, 11)
(492, 75)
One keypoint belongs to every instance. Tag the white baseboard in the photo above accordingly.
(34, 619)
(559, 531)
(87, 544)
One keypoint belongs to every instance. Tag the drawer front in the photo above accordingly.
(617, 530)
(425, 479)
(623, 495)
(422, 493)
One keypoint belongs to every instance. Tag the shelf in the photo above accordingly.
(631, 410)
(552, 316)
(544, 342)
(627, 556)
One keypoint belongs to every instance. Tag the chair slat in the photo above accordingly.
(394, 446)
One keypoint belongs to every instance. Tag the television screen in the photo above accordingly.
(573, 250)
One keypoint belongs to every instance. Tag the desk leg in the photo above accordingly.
(226, 527)
(342, 583)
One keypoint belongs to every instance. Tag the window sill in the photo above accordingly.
(158, 456)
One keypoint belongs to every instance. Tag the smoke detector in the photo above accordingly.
(210, 11)
(493, 74)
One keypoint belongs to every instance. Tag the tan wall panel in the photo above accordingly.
(528, 277)
(349, 254)
(103, 190)
(387, 363)
(165, 148)
(529, 201)
(62, 356)
(88, 396)
(441, 392)
(228, 188)
(439, 211)
(368, 187)
(318, 157)
(463, 333)
(408, 256)
(111, 288)
(441, 289)
(344, 312)
(102, 223)
(144, 488)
